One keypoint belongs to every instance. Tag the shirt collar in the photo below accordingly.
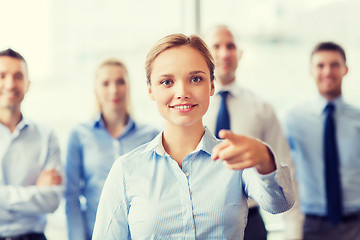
(321, 103)
(99, 123)
(233, 88)
(206, 144)
(24, 122)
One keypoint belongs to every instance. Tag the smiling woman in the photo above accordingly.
(186, 183)
(181, 93)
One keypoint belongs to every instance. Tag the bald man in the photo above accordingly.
(249, 114)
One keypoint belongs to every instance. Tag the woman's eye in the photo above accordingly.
(166, 82)
(196, 79)
(105, 84)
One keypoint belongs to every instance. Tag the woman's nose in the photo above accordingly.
(182, 91)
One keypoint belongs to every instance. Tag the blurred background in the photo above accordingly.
(63, 41)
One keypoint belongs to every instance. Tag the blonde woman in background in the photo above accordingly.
(93, 146)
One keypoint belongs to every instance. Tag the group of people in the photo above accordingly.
(222, 153)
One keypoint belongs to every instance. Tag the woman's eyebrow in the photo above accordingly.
(166, 75)
(196, 72)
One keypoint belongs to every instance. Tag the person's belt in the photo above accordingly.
(28, 236)
(347, 218)
(253, 211)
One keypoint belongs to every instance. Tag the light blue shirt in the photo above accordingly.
(304, 126)
(24, 154)
(148, 196)
(90, 154)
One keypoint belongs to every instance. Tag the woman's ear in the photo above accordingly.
(212, 90)
(150, 91)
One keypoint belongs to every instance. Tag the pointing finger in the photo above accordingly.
(229, 135)
(218, 148)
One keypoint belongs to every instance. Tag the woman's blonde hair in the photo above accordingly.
(117, 63)
(178, 40)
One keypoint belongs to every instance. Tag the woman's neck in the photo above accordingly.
(179, 141)
(115, 122)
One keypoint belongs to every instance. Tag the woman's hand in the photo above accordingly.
(239, 152)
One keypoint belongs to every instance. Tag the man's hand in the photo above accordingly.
(239, 152)
(48, 178)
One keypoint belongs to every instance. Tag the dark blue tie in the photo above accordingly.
(332, 176)
(223, 118)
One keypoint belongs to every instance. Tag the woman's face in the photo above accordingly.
(181, 85)
(111, 88)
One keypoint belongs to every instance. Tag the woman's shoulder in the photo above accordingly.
(146, 130)
(147, 127)
(84, 126)
(136, 158)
